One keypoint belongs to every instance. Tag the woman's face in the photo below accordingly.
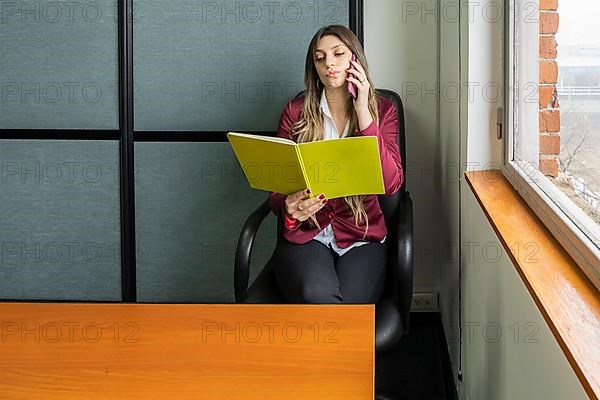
(332, 59)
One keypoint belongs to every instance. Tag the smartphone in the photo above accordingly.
(351, 86)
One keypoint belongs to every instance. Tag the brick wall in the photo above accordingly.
(549, 113)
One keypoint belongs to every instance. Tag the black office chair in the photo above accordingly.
(393, 309)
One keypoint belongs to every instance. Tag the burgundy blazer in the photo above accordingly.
(335, 211)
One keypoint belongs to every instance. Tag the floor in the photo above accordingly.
(419, 366)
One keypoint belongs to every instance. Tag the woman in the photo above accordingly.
(332, 250)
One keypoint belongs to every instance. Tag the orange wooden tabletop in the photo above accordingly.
(186, 351)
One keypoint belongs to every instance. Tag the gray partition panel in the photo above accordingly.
(191, 202)
(222, 65)
(58, 65)
(59, 220)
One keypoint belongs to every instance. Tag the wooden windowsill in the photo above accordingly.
(566, 298)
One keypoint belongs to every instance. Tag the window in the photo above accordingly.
(552, 120)
(578, 89)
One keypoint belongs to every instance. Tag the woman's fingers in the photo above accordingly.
(357, 74)
(364, 83)
(309, 207)
(308, 203)
(299, 195)
(292, 200)
(358, 66)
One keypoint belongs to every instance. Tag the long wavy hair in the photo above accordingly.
(310, 128)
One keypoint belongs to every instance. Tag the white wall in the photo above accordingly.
(450, 108)
(420, 43)
(509, 350)
(411, 46)
(401, 42)
(483, 89)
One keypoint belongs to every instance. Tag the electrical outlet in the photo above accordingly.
(424, 301)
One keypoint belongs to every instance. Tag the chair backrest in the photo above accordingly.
(388, 204)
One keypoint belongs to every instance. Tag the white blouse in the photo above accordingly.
(331, 132)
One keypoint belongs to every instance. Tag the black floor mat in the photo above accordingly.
(418, 367)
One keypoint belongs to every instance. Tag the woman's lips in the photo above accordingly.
(333, 74)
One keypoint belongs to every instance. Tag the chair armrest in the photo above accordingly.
(404, 271)
(241, 272)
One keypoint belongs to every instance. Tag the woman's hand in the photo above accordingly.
(361, 103)
(300, 208)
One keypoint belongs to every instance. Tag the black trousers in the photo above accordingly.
(315, 273)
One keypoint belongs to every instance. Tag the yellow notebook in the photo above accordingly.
(336, 168)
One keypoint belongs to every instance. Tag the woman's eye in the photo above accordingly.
(322, 58)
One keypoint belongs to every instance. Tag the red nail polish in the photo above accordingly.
(322, 197)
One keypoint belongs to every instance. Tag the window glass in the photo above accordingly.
(578, 90)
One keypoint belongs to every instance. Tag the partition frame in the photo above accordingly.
(127, 136)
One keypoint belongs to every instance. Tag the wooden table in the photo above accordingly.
(92, 351)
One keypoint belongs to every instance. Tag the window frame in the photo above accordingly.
(535, 189)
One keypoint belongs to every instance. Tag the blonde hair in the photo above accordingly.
(309, 127)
